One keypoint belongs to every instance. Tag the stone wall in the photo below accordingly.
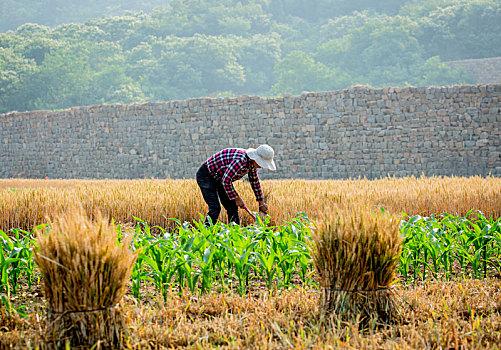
(482, 70)
(359, 132)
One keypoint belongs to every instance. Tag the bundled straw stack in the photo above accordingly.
(85, 274)
(356, 256)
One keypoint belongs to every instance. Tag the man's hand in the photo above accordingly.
(263, 207)
(240, 203)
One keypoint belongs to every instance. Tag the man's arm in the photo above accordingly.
(256, 185)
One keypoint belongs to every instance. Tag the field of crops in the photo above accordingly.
(258, 285)
(26, 203)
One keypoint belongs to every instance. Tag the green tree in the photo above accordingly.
(14, 13)
(383, 50)
(81, 74)
(320, 10)
(435, 72)
(14, 69)
(33, 41)
(299, 72)
(177, 68)
(380, 41)
(462, 29)
(258, 55)
(189, 17)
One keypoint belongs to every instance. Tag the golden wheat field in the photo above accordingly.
(83, 284)
(25, 203)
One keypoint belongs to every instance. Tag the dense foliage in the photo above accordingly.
(193, 48)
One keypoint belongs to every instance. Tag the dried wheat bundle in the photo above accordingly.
(356, 255)
(85, 272)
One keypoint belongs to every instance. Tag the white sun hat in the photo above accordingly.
(263, 156)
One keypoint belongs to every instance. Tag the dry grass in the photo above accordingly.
(85, 274)
(452, 315)
(25, 203)
(356, 255)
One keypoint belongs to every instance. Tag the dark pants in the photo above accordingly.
(213, 192)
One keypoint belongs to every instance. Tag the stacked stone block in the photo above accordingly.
(357, 132)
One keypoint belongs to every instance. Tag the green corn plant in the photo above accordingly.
(436, 243)
(221, 237)
(477, 237)
(206, 269)
(6, 263)
(287, 263)
(182, 261)
(9, 263)
(405, 256)
(268, 266)
(160, 257)
(489, 229)
(186, 271)
(240, 258)
(141, 240)
(304, 261)
(493, 252)
(205, 253)
(198, 254)
(293, 255)
(138, 273)
(417, 248)
(446, 255)
(21, 251)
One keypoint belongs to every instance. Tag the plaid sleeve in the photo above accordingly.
(256, 186)
(227, 180)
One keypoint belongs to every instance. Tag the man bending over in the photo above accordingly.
(216, 175)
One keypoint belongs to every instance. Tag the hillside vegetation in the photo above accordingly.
(193, 48)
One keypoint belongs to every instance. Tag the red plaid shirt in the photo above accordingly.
(232, 164)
